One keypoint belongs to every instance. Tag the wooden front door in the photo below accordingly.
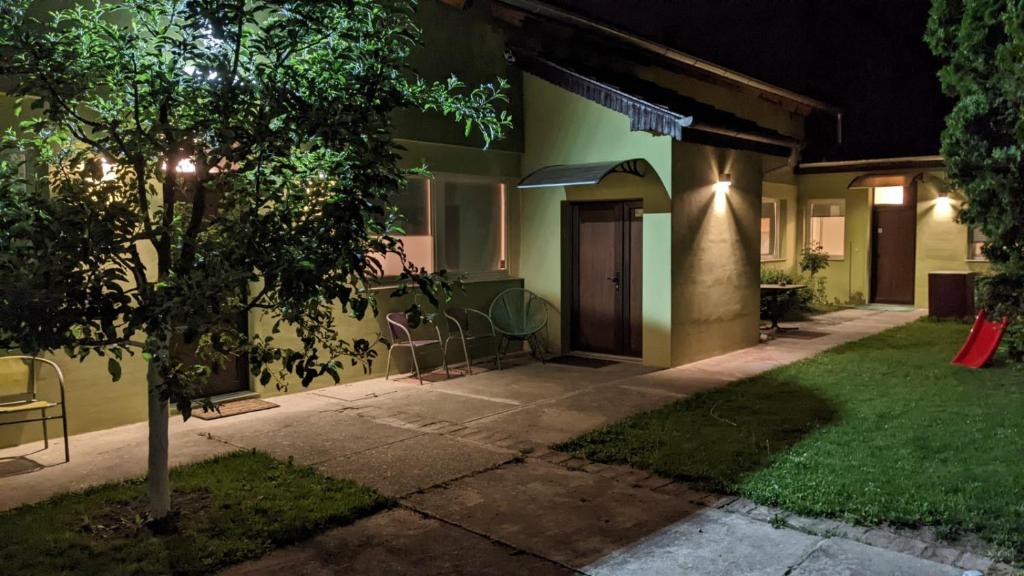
(228, 379)
(607, 259)
(893, 246)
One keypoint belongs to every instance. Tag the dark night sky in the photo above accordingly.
(866, 56)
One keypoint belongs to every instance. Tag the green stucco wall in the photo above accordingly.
(941, 241)
(846, 279)
(470, 44)
(562, 128)
(715, 251)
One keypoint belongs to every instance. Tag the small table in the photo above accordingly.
(776, 292)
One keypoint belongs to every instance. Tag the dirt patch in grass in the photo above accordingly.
(227, 510)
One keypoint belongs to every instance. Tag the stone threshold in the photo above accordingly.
(921, 543)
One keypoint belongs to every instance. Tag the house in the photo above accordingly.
(886, 224)
(637, 194)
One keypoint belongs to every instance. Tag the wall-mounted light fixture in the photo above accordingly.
(723, 184)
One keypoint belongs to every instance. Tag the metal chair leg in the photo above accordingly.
(502, 342)
(444, 354)
(497, 353)
(469, 361)
(416, 364)
(536, 348)
(64, 423)
(387, 372)
(46, 433)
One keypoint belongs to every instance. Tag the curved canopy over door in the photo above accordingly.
(564, 175)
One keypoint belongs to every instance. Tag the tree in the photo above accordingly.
(981, 43)
(206, 159)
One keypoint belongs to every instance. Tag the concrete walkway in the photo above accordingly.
(479, 491)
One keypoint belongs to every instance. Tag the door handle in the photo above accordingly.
(615, 280)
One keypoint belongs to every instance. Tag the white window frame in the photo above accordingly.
(437, 216)
(807, 226)
(776, 253)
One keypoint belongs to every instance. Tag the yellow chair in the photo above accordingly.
(18, 378)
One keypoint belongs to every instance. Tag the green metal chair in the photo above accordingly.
(18, 395)
(468, 325)
(519, 315)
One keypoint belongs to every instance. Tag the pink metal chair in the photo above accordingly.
(402, 337)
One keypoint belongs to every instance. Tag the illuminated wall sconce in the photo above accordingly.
(944, 204)
(723, 184)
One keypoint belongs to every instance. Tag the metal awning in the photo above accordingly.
(878, 180)
(564, 175)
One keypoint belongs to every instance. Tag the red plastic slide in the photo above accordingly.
(981, 343)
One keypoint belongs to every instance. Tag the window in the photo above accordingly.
(770, 217)
(414, 205)
(889, 196)
(455, 223)
(976, 240)
(474, 226)
(826, 225)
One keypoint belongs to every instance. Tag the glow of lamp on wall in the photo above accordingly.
(943, 204)
(723, 184)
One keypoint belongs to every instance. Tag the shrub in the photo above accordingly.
(814, 259)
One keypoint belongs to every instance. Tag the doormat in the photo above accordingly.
(234, 409)
(582, 362)
(801, 334)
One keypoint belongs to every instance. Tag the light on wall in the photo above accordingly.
(723, 184)
(889, 195)
(944, 204)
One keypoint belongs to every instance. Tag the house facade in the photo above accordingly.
(629, 196)
(886, 224)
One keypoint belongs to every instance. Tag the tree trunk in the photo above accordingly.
(159, 481)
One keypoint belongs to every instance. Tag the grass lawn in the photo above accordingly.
(233, 508)
(880, 430)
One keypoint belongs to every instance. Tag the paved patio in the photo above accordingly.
(479, 491)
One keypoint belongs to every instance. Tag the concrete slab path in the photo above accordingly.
(478, 490)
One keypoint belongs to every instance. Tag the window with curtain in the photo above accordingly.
(452, 222)
(826, 225)
(414, 205)
(976, 240)
(770, 217)
(474, 226)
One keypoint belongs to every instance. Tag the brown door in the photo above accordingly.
(230, 378)
(234, 375)
(893, 242)
(606, 277)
